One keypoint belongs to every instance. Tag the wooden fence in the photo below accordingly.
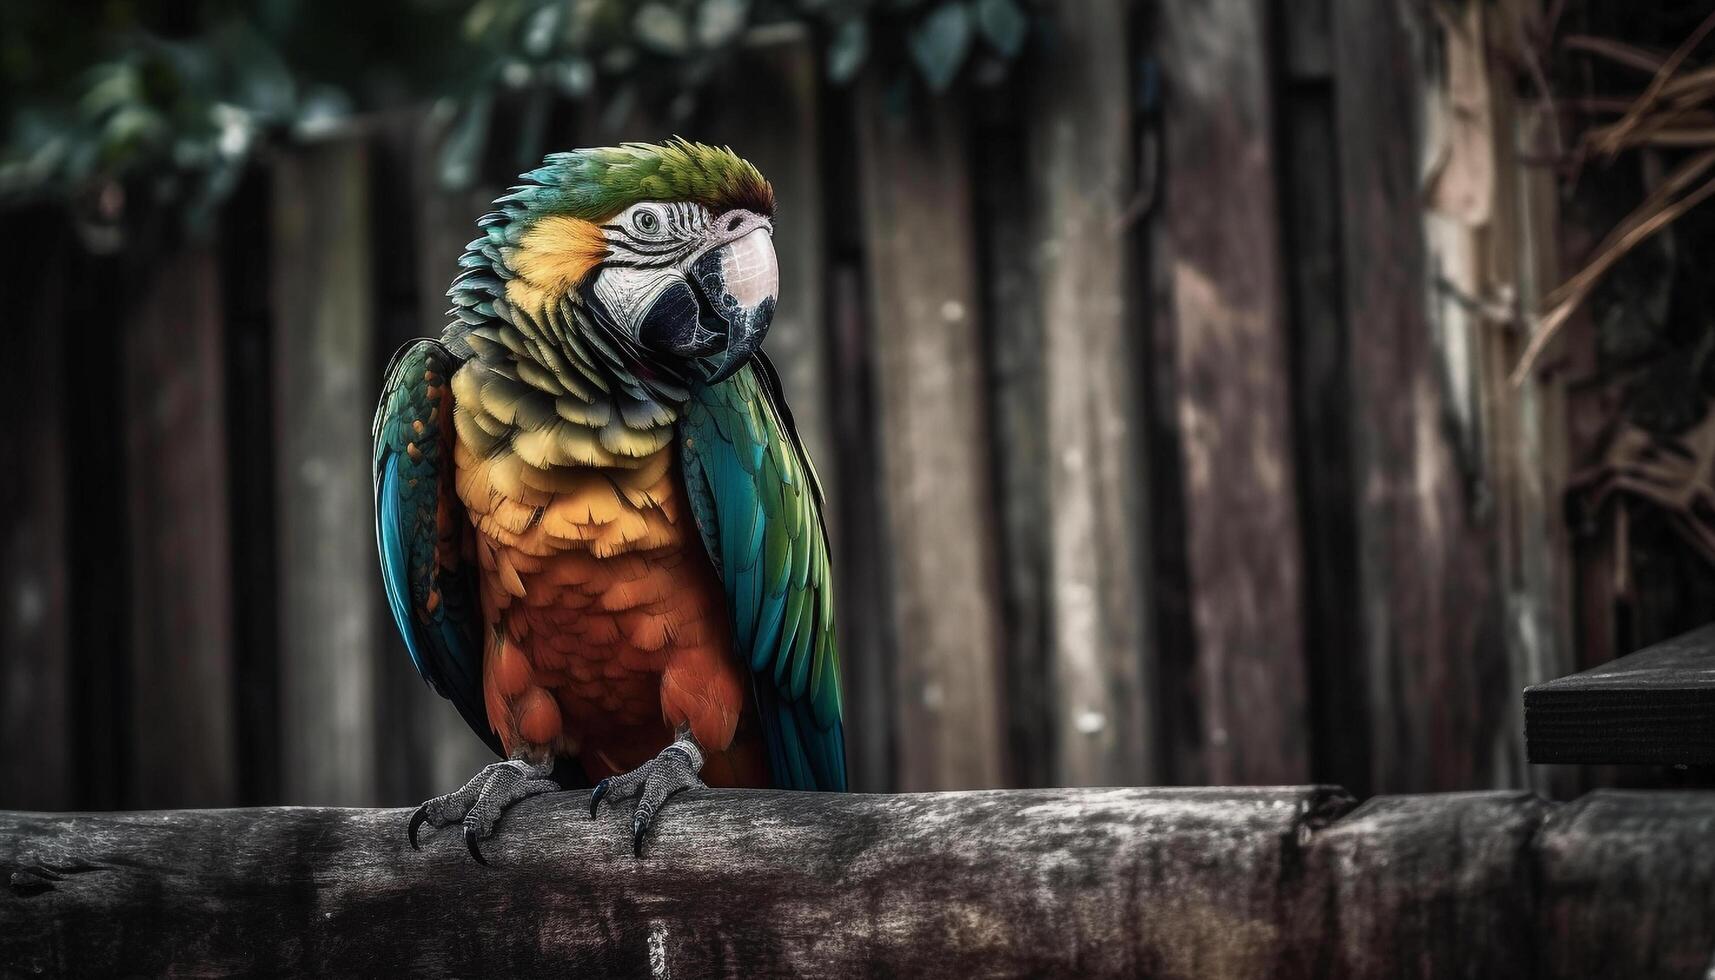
(1164, 438)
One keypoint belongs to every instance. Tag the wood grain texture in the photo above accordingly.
(1222, 256)
(1286, 882)
(325, 391)
(1099, 607)
(1430, 608)
(933, 431)
(181, 745)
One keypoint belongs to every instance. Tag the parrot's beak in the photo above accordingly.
(739, 284)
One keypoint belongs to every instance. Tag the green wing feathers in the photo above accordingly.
(431, 590)
(758, 507)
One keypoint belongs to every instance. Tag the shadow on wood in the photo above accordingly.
(1282, 882)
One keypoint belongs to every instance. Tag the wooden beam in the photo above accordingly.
(325, 389)
(1099, 608)
(934, 438)
(1221, 251)
(181, 744)
(1271, 882)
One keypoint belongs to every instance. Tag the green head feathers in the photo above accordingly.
(596, 184)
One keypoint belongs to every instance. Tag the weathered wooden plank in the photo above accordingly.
(37, 742)
(933, 434)
(1221, 252)
(1099, 608)
(1285, 882)
(325, 388)
(179, 686)
(1126, 882)
(1430, 607)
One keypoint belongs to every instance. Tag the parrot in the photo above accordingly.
(600, 535)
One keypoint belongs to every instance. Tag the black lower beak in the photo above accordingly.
(745, 330)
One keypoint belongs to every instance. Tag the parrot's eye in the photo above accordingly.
(646, 221)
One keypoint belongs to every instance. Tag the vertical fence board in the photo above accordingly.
(1528, 451)
(868, 645)
(180, 685)
(1223, 260)
(1099, 606)
(923, 298)
(325, 391)
(1310, 216)
(1429, 610)
(36, 741)
(245, 271)
(1019, 439)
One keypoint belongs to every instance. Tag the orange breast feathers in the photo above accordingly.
(608, 628)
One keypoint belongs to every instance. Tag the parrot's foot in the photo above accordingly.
(482, 800)
(674, 769)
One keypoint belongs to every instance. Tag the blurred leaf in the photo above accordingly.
(1003, 24)
(575, 77)
(482, 17)
(323, 111)
(661, 28)
(110, 86)
(720, 21)
(515, 73)
(264, 85)
(540, 29)
(127, 129)
(940, 43)
(847, 50)
(463, 147)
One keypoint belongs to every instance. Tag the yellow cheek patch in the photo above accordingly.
(553, 258)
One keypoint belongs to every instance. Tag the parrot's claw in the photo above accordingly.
(653, 783)
(480, 802)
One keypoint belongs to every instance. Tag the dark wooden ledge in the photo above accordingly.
(1288, 882)
(1655, 707)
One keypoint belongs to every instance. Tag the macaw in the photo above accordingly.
(599, 533)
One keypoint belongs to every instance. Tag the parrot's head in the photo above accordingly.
(668, 248)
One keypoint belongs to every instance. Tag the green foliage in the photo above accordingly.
(172, 100)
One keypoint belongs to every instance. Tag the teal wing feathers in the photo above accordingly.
(431, 588)
(758, 507)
